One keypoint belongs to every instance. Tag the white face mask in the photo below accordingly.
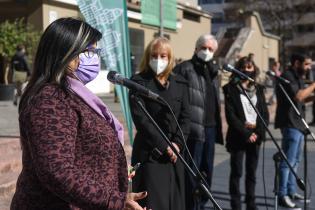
(205, 55)
(158, 65)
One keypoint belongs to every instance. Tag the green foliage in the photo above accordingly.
(17, 32)
(11, 35)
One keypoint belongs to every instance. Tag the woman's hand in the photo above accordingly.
(171, 154)
(131, 203)
(252, 138)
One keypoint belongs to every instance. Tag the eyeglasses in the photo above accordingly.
(90, 52)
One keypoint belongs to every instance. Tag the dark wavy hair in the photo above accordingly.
(241, 64)
(298, 57)
(62, 41)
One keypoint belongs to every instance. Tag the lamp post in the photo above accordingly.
(161, 19)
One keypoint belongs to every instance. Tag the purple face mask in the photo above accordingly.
(88, 68)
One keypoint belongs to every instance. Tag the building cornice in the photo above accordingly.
(261, 26)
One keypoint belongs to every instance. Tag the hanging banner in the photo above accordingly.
(150, 10)
(110, 18)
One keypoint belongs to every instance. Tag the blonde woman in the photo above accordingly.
(161, 173)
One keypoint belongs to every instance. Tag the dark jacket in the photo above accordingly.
(147, 137)
(285, 114)
(19, 63)
(72, 158)
(237, 134)
(163, 180)
(194, 72)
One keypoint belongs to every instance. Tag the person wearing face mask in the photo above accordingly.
(89, 65)
(160, 173)
(245, 131)
(292, 128)
(71, 143)
(201, 72)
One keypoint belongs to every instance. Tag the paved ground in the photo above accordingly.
(9, 131)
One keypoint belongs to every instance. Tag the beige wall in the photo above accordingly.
(36, 18)
(183, 40)
(264, 47)
(191, 2)
(59, 11)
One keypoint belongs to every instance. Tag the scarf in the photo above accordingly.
(97, 105)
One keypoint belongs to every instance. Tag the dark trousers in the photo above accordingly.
(203, 155)
(236, 163)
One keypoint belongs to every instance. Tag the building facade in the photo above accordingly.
(292, 21)
(40, 13)
(251, 37)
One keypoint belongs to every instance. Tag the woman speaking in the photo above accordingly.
(71, 143)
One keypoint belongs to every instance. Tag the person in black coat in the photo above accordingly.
(245, 132)
(201, 72)
(160, 173)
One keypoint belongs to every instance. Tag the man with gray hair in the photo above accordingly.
(205, 130)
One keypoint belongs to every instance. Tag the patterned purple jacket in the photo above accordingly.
(72, 158)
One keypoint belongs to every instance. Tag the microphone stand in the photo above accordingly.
(305, 171)
(305, 139)
(198, 178)
(296, 111)
(277, 159)
(283, 156)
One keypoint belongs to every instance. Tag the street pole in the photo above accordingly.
(161, 19)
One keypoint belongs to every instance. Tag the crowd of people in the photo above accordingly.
(72, 144)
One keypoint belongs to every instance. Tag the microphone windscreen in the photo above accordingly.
(228, 67)
(111, 76)
(225, 67)
(270, 73)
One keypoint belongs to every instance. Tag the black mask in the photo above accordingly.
(251, 74)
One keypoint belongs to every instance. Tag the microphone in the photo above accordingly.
(232, 69)
(116, 78)
(272, 74)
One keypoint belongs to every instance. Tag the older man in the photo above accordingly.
(201, 73)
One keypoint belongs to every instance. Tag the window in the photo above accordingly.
(305, 28)
(136, 47)
(191, 16)
(309, 28)
(218, 18)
